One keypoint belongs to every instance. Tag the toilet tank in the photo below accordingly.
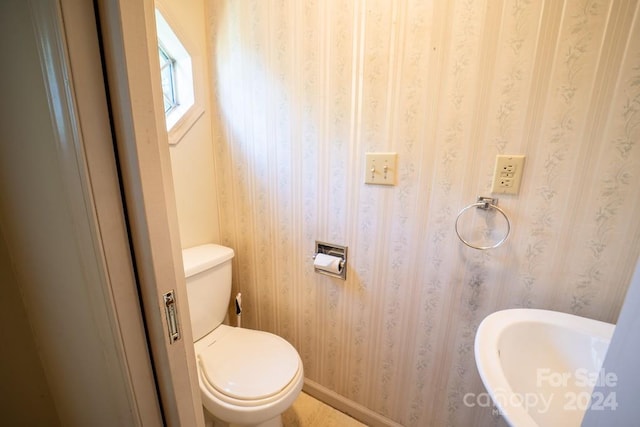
(207, 270)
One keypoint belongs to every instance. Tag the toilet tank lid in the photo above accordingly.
(203, 257)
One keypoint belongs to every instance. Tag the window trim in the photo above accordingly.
(188, 74)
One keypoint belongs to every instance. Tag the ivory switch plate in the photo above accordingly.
(381, 168)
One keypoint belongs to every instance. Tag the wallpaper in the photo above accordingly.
(303, 89)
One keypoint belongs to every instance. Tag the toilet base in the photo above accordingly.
(212, 421)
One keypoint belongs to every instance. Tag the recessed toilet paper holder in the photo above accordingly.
(337, 269)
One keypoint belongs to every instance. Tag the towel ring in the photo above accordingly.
(485, 203)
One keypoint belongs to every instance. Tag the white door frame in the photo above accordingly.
(75, 52)
(66, 243)
(131, 59)
(136, 255)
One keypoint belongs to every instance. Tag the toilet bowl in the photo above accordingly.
(246, 377)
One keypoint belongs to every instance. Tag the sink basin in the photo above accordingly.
(540, 366)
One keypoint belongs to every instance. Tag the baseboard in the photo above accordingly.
(349, 407)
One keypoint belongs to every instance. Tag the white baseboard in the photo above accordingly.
(349, 407)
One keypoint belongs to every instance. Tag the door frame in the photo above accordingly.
(70, 54)
(139, 245)
(129, 47)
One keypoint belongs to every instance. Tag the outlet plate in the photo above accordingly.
(507, 174)
(381, 168)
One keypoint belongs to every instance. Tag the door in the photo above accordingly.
(153, 245)
(81, 275)
(129, 47)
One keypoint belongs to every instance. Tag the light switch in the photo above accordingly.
(381, 168)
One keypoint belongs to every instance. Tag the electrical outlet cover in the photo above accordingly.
(507, 174)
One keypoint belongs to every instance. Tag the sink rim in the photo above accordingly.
(486, 350)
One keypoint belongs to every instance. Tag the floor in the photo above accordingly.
(309, 412)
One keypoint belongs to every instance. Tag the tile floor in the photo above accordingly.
(309, 412)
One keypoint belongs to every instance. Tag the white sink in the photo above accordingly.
(540, 367)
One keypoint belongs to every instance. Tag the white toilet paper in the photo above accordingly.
(328, 263)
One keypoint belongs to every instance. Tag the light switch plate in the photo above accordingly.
(507, 174)
(381, 168)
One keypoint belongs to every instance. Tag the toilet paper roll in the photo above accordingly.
(329, 263)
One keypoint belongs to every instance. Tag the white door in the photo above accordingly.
(65, 241)
(83, 264)
(139, 244)
(130, 56)
(80, 354)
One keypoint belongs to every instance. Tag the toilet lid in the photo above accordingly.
(249, 365)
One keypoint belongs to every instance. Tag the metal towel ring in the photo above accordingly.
(485, 203)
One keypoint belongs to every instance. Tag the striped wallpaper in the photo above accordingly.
(303, 88)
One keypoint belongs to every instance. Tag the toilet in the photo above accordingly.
(246, 377)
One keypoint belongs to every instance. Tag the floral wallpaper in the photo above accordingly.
(303, 88)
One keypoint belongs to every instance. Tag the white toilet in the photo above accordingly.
(246, 377)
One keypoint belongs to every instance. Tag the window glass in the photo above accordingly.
(167, 74)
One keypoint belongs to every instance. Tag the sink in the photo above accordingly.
(540, 367)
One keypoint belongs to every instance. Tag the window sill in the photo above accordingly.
(184, 123)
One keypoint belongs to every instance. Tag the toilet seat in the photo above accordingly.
(246, 367)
